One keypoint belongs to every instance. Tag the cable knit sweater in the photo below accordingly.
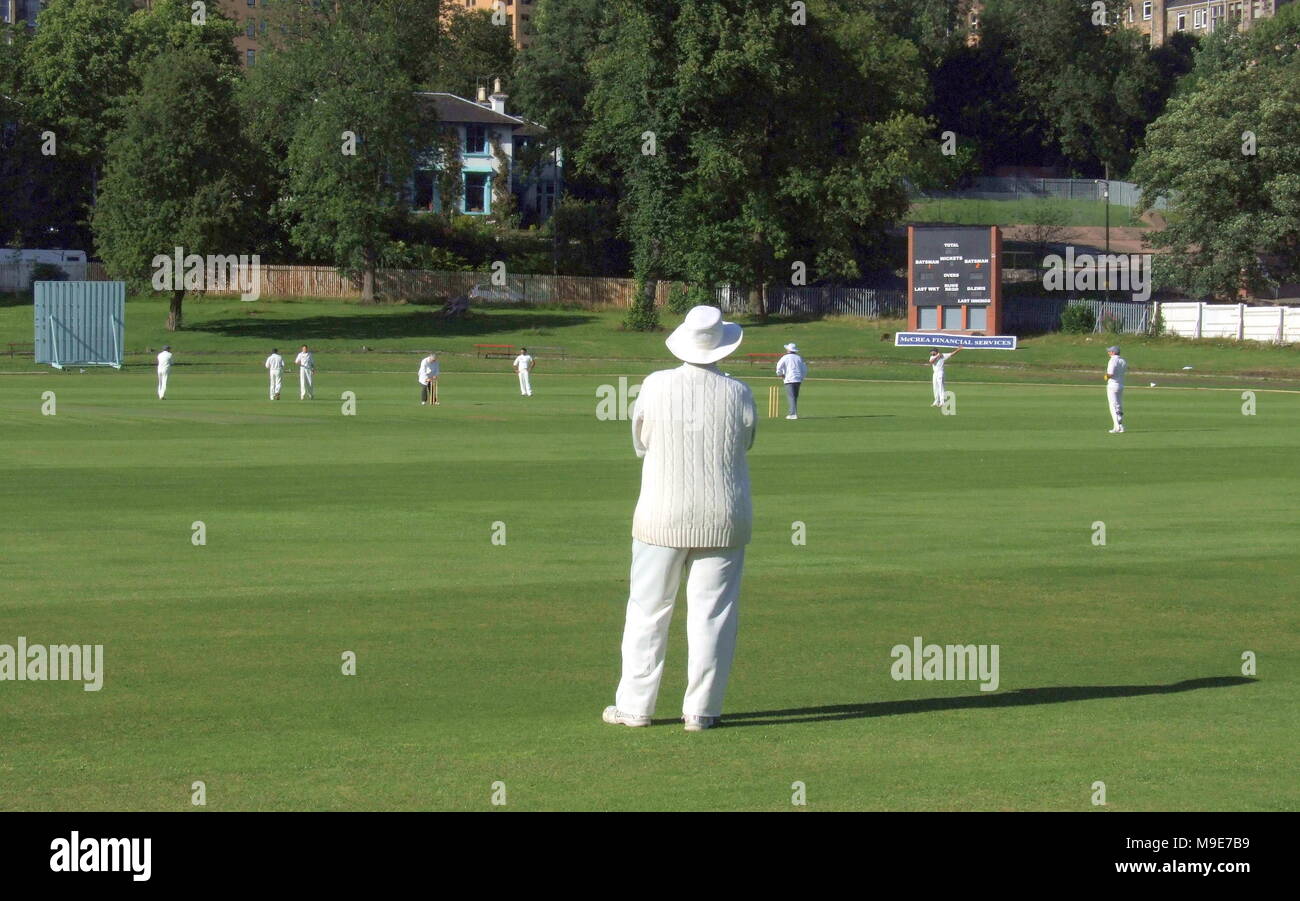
(693, 425)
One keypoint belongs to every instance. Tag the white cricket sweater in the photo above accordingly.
(693, 426)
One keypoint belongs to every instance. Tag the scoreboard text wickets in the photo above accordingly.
(954, 278)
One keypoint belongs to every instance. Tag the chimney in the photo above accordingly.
(482, 96)
(498, 98)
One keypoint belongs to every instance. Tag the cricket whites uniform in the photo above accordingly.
(306, 375)
(692, 426)
(937, 379)
(1115, 390)
(164, 370)
(428, 372)
(275, 363)
(523, 366)
(793, 370)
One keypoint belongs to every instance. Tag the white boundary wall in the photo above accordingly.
(1232, 320)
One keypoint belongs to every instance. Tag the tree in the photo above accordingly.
(334, 102)
(472, 53)
(1226, 155)
(553, 80)
(176, 172)
(1056, 82)
(751, 146)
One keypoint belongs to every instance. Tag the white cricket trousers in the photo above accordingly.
(525, 387)
(1115, 397)
(937, 381)
(306, 389)
(712, 593)
(162, 385)
(275, 383)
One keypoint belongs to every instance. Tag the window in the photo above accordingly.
(1198, 18)
(252, 2)
(476, 192)
(1146, 9)
(1182, 21)
(251, 29)
(476, 139)
(423, 195)
(252, 57)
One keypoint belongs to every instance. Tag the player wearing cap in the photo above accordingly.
(1115, 370)
(792, 370)
(937, 361)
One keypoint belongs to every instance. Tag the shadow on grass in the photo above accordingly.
(16, 300)
(1020, 698)
(377, 326)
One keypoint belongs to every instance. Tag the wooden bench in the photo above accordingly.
(763, 358)
(14, 345)
(495, 351)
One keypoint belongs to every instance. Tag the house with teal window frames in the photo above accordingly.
(476, 124)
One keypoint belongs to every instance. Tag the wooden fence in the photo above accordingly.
(417, 285)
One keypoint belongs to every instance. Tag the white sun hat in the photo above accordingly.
(703, 337)
(792, 348)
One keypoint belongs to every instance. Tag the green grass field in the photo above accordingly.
(476, 663)
(972, 211)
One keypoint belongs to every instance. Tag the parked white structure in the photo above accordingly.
(17, 265)
(1280, 325)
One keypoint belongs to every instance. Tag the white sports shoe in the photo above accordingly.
(614, 717)
(792, 416)
(700, 723)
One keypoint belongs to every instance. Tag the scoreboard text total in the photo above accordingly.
(954, 279)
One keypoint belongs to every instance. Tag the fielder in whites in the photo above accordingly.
(793, 370)
(1115, 370)
(937, 361)
(275, 366)
(164, 370)
(524, 368)
(693, 426)
(306, 364)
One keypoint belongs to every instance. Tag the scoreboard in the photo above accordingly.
(954, 279)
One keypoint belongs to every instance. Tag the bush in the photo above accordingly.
(1077, 319)
(1157, 327)
(679, 300)
(642, 315)
(48, 272)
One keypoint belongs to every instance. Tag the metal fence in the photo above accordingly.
(1033, 315)
(1122, 193)
(817, 300)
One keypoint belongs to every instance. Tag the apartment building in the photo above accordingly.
(518, 15)
(13, 12)
(1160, 20)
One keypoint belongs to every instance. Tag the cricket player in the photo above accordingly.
(792, 370)
(429, 380)
(275, 365)
(1115, 370)
(524, 367)
(693, 427)
(937, 362)
(164, 370)
(306, 374)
